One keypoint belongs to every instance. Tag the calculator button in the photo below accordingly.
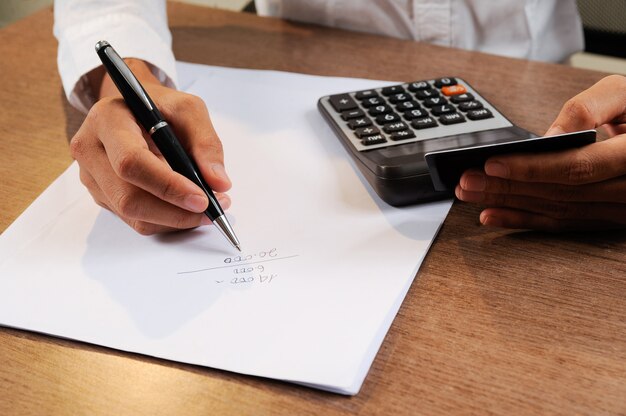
(359, 122)
(391, 127)
(428, 93)
(350, 114)
(366, 131)
(424, 123)
(380, 109)
(370, 102)
(445, 82)
(470, 105)
(452, 118)
(418, 85)
(361, 95)
(461, 98)
(395, 89)
(387, 118)
(442, 109)
(342, 102)
(453, 90)
(413, 114)
(479, 114)
(398, 98)
(407, 105)
(375, 139)
(401, 135)
(435, 101)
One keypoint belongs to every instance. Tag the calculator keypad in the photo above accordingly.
(412, 112)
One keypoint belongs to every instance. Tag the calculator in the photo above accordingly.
(389, 130)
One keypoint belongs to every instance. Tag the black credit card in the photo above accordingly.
(447, 166)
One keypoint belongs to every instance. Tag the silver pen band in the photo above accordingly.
(157, 126)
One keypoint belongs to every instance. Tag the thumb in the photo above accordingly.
(602, 103)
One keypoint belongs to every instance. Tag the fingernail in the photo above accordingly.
(475, 182)
(457, 191)
(220, 172)
(498, 169)
(205, 220)
(224, 200)
(195, 203)
(490, 220)
(555, 130)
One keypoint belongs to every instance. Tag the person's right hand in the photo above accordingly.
(125, 172)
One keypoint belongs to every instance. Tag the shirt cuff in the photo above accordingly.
(131, 37)
(269, 7)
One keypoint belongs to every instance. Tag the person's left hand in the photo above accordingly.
(581, 188)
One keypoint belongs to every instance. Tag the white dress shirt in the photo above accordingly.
(136, 29)
(546, 30)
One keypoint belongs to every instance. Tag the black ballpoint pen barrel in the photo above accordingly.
(179, 161)
(146, 116)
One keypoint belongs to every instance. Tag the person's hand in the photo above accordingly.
(124, 171)
(581, 188)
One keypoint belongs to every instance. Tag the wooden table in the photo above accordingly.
(496, 321)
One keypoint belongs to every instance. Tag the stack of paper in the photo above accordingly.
(325, 267)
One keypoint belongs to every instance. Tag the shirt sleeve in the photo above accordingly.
(136, 29)
(269, 7)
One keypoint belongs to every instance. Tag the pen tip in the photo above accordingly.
(238, 247)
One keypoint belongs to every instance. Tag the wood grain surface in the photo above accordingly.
(496, 322)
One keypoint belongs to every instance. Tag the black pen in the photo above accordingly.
(162, 134)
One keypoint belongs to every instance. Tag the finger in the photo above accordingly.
(597, 211)
(224, 200)
(602, 103)
(193, 126)
(132, 203)
(91, 185)
(516, 219)
(474, 184)
(140, 206)
(132, 161)
(148, 228)
(613, 130)
(85, 148)
(592, 163)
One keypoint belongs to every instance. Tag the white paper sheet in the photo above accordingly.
(326, 263)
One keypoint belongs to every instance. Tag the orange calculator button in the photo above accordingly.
(454, 90)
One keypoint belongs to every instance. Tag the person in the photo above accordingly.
(124, 172)
(548, 30)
